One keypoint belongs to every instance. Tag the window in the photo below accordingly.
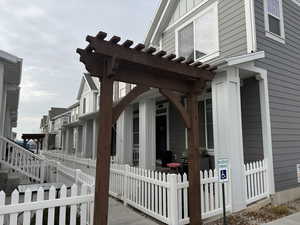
(84, 106)
(199, 38)
(206, 124)
(274, 20)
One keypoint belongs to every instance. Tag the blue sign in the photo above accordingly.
(223, 168)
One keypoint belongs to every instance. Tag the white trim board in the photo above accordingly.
(192, 21)
(250, 26)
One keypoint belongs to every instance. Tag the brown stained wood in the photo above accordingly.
(175, 100)
(204, 66)
(101, 35)
(212, 68)
(114, 39)
(194, 161)
(179, 59)
(107, 49)
(150, 50)
(103, 152)
(127, 44)
(160, 53)
(196, 64)
(189, 61)
(133, 94)
(171, 56)
(152, 80)
(139, 47)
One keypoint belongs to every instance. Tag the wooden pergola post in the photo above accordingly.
(146, 68)
(103, 151)
(194, 161)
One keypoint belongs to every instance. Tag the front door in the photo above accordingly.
(161, 136)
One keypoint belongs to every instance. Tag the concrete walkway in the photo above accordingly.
(120, 215)
(288, 220)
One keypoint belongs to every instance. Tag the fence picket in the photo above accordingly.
(62, 209)
(52, 194)
(83, 207)
(13, 219)
(2, 203)
(73, 207)
(26, 215)
(39, 213)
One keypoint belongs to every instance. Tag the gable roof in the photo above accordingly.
(160, 22)
(56, 111)
(91, 84)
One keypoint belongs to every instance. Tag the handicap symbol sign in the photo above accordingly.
(223, 165)
(223, 175)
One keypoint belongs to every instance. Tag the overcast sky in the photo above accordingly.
(46, 33)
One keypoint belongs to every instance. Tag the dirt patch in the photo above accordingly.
(261, 215)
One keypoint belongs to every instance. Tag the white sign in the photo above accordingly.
(223, 170)
(298, 172)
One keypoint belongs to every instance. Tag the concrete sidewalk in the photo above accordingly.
(288, 220)
(118, 214)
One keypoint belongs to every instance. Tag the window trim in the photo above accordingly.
(192, 20)
(204, 98)
(280, 38)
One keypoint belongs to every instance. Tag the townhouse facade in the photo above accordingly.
(10, 78)
(250, 109)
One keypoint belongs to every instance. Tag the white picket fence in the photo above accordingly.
(51, 207)
(256, 181)
(165, 196)
(21, 160)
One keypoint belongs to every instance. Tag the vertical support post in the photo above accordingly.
(103, 152)
(173, 199)
(43, 165)
(127, 168)
(77, 171)
(194, 161)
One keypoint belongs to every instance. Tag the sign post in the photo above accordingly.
(223, 175)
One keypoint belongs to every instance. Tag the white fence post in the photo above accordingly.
(77, 171)
(43, 165)
(173, 199)
(127, 168)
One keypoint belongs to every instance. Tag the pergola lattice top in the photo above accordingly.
(139, 60)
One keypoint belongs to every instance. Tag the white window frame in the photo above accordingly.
(280, 38)
(192, 20)
(122, 89)
(204, 98)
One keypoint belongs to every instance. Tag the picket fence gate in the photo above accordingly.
(256, 181)
(165, 196)
(59, 207)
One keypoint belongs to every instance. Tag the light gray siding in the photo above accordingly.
(232, 28)
(251, 121)
(283, 64)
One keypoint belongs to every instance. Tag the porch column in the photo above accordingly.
(84, 139)
(125, 136)
(2, 93)
(228, 137)
(95, 135)
(147, 141)
(79, 141)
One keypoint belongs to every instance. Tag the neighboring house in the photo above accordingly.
(50, 126)
(250, 110)
(10, 78)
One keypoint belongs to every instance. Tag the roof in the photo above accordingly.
(88, 79)
(9, 57)
(161, 19)
(74, 105)
(56, 111)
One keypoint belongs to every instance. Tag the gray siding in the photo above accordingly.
(251, 121)
(283, 64)
(232, 28)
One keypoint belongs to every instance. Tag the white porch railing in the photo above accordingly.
(74, 208)
(256, 181)
(21, 160)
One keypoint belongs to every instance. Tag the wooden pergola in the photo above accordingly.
(147, 68)
(37, 138)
